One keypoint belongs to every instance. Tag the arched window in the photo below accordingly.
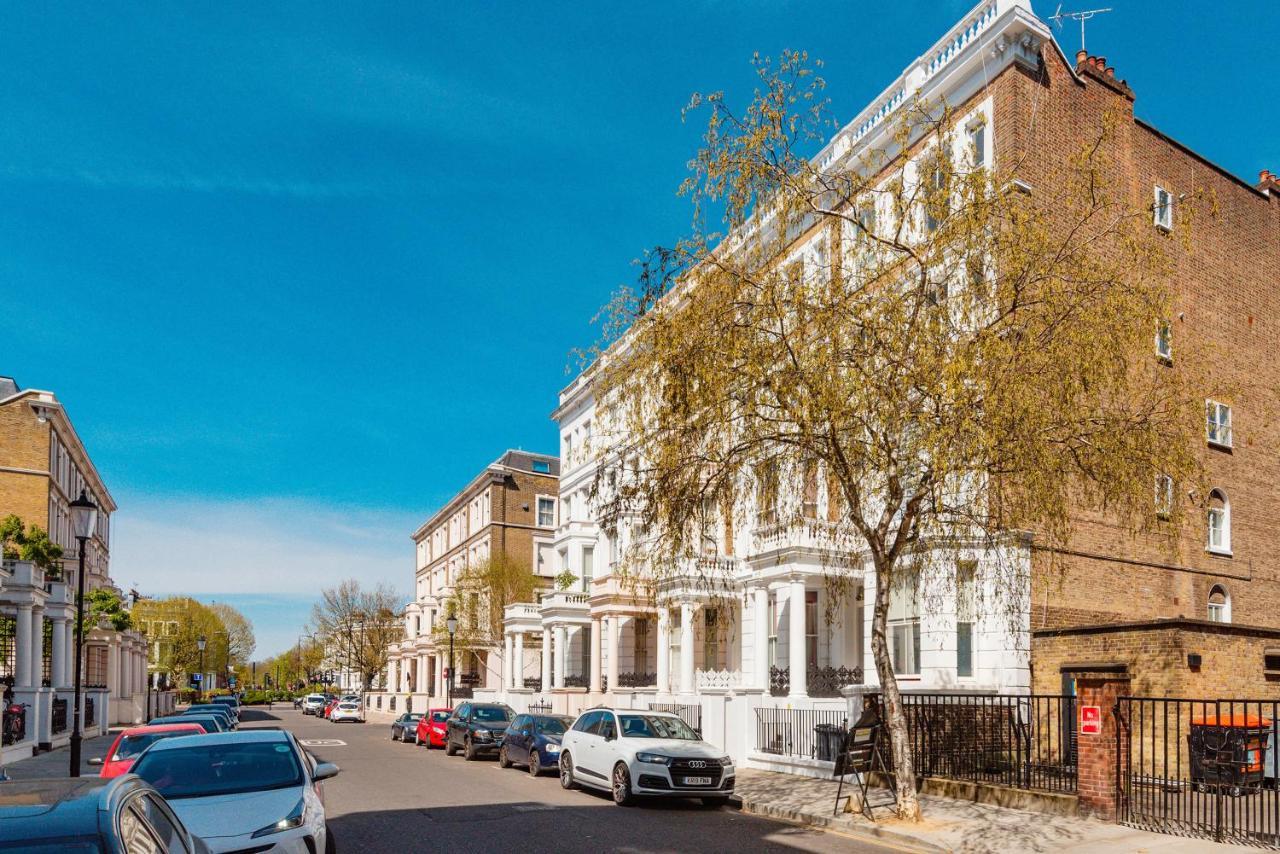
(1219, 605)
(1219, 523)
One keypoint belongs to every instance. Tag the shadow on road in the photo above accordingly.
(257, 714)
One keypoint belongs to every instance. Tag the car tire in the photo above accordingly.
(469, 751)
(566, 772)
(503, 761)
(620, 786)
(394, 732)
(535, 763)
(449, 749)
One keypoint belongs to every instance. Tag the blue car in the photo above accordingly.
(533, 741)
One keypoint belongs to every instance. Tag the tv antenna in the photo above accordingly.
(1076, 16)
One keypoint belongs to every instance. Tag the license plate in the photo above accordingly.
(697, 781)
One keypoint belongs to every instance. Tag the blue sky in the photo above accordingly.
(299, 271)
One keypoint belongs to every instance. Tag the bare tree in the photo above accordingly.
(357, 625)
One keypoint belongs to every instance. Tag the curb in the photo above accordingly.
(840, 823)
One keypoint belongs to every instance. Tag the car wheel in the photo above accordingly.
(449, 749)
(469, 751)
(535, 763)
(566, 772)
(503, 761)
(394, 733)
(621, 785)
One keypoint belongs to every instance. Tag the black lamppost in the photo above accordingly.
(84, 519)
(452, 625)
(200, 645)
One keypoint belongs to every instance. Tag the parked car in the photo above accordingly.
(229, 700)
(243, 791)
(132, 741)
(643, 753)
(432, 728)
(214, 723)
(228, 716)
(347, 711)
(534, 742)
(118, 815)
(476, 728)
(329, 707)
(314, 704)
(405, 727)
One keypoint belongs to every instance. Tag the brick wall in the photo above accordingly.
(24, 444)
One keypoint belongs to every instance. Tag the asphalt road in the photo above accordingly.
(401, 798)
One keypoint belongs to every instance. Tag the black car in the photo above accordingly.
(90, 815)
(476, 728)
(534, 742)
(405, 727)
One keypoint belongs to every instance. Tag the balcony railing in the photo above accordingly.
(827, 681)
(637, 679)
(522, 610)
(715, 679)
(58, 717)
(779, 681)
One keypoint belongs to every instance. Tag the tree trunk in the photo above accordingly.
(894, 716)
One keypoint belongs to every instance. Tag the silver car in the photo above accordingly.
(252, 790)
(314, 704)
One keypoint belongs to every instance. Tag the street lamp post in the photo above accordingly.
(200, 645)
(452, 625)
(84, 519)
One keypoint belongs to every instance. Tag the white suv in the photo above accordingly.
(635, 753)
(313, 704)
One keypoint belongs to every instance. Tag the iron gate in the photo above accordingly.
(1203, 768)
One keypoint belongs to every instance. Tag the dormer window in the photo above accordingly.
(1163, 209)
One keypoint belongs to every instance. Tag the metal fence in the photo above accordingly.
(796, 732)
(58, 717)
(692, 715)
(90, 714)
(1202, 768)
(539, 708)
(1022, 741)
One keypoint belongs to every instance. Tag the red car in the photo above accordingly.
(328, 707)
(431, 728)
(133, 741)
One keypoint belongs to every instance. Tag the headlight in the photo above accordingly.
(483, 734)
(653, 758)
(289, 822)
(726, 761)
(552, 748)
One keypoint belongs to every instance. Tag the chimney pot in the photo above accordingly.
(1081, 56)
(1111, 71)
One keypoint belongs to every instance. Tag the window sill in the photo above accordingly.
(1220, 552)
(1220, 446)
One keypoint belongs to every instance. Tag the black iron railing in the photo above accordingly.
(637, 679)
(1203, 768)
(90, 714)
(692, 715)
(779, 681)
(539, 708)
(391, 704)
(533, 683)
(827, 681)
(575, 681)
(794, 732)
(462, 692)
(58, 716)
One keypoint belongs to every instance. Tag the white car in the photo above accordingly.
(254, 790)
(347, 711)
(314, 704)
(634, 753)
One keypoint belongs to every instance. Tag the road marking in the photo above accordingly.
(323, 742)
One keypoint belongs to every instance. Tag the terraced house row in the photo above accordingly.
(1200, 618)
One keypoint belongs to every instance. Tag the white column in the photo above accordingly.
(664, 650)
(546, 659)
(517, 661)
(561, 653)
(113, 667)
(22, 640)
(795, 640)
(70, 662)
(58, 675)
(37, 646)
(761, 636)
(508, 671)
(595, 656)
(687, 610)
(614, 623)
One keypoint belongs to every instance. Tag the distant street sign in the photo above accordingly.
(197, 677)
(1091, 720)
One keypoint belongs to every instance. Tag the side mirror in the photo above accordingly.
(97, 760)
(324, 771)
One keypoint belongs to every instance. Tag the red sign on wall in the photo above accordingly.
(1091, 720)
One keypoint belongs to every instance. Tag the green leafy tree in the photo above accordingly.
(30, 543)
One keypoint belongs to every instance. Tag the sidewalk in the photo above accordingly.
(950, 825)
(56, 763)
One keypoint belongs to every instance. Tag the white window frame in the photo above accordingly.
(976, 136)
(1221, 543)
(1164, 340)
(1162, 209)
(537, 510)
(1219, 613)
(1217, 429)
(1164, 496)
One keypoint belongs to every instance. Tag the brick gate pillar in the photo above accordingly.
(1099, 755)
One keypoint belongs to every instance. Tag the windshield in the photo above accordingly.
(220, 769)
(654, 726)
(491, 714)
(551, 726)
(413, 716)
(132, 745)
(439, 717)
